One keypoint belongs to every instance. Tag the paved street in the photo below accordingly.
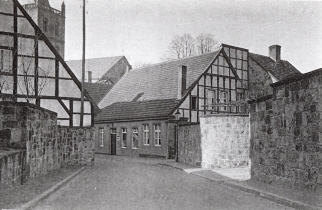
(132, 183)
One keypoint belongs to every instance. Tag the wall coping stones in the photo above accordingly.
(225, 115)
(6, 103)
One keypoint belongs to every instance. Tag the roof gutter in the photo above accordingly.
(167, 117)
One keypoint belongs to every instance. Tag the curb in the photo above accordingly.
(269, 196)
(272, 197)
(48, 192)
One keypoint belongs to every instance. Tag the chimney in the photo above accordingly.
(128, 68)
(274, 52)
(182, 81)
(89, 76)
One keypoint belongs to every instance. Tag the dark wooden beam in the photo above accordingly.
(56, 78)
(15, 53)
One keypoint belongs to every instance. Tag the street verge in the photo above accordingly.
(47, 193)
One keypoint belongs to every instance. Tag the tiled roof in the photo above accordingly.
(137, 110)
(98, 66)
(280, 70)
(97, 90)
(159, 81)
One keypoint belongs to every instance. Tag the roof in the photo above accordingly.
(280, 70)
(159, 81)
(97, 90)
(98, 66)
(134, 110)
(309, 74)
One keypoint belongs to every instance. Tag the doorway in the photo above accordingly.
(113, 142)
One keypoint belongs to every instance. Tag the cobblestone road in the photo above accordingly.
(132, 183)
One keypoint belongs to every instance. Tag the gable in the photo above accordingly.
(98, 66)
(38, 73)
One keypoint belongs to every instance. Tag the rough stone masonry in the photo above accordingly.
(286, 134)
(37, 145)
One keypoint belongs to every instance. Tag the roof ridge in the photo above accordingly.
(268, 57)
(174, 60)
(120, 56)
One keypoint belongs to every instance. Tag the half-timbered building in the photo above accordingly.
(137, 117)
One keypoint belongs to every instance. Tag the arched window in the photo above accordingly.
(45, 24)
(56, 29)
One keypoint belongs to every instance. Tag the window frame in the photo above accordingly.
(146, 135)
(124, 133)
(157, 135)
(224, 99)
(211, 101)
(135, 131)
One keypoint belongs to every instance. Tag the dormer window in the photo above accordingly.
(45, 24)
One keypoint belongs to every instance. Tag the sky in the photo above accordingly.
(141, 30)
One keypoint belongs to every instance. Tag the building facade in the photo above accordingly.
(219, 82)
(38, 73)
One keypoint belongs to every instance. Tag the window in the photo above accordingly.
(102, 137)
(223, 99)
(194, 105)
(146, 140)
(240, 96)
(124, 135)
(224, 96)
(135, 138)
(157, 136)
(211, 99)
(56, 29)
(45, 24)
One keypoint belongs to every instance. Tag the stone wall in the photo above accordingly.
(47, 146)
(189, 144)
(78, 145)
(225, 141)
(286, 134)
(12, 166)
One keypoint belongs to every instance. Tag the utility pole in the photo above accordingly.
(83, 69)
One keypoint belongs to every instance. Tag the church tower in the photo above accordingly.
(51, 21)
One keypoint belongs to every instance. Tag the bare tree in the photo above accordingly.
(188, 45)
(205, 43)
(180, 47)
